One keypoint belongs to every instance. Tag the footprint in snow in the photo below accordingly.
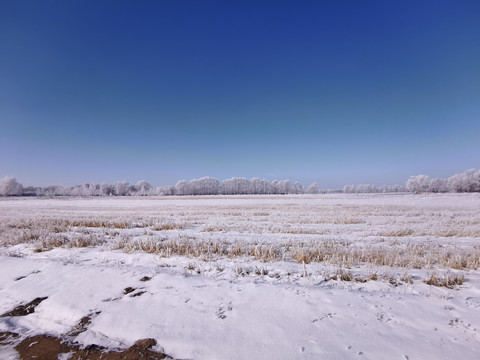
(220, 313)
(326, 316)
(473, 302)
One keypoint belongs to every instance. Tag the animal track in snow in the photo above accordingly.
(326, 316)
(220, 313)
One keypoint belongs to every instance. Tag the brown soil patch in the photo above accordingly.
(83, 324)
(7, 338)
(41, 347)
(145, 278)
(44, 347)
(23, 310)
(128, 290)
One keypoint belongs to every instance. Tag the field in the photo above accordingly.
(339, 276)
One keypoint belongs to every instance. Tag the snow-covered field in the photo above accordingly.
(249, 277)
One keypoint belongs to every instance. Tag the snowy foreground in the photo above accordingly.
(249, 277)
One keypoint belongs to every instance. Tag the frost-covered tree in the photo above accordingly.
(365, 188)
(10, 187)
(256, 186)
(210, 185)
(78, 190)
(143, 188)
(312, 189)
(391, 189)
(275, 186)
(203, 186)
(418, 183)
(297, 188)
(284, 187)
(235, 186)
(369, 188)
(181, 187)
(52, 190)
(165, 191)
(107, 189)
(438, 185)
(469, 181)
(85, 190)
(196, 187)
(260, 186)
(122, 188)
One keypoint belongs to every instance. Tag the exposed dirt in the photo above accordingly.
(42, 347)
(128, 290)
(23, 277)
(45, 347)
(140, 293)
(83, 324)
(7, 338)
(23, 310)
(145, 278)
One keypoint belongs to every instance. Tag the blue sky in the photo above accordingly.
(338, 92)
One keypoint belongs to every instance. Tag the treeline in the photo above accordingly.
(204, 186)
(368, 188)
(468, 181)
(238, 186)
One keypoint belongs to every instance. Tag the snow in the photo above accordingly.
(198, 309)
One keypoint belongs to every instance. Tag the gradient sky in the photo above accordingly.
(338, 92)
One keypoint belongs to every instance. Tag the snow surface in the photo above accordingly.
(199, 309)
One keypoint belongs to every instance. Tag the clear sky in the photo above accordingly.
(338, 92)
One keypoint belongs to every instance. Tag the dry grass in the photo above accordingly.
(406, 278)
(405, 254)
(441, 233)
(400, 234)
(260, 214)
(75, 241)
(168, 226)
(448, 280)
(102, 224)
(397, 233)
(337, 253)
(348, 221)
(342, 275)
(213, 229)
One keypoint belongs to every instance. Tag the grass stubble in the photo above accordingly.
(440, 238)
